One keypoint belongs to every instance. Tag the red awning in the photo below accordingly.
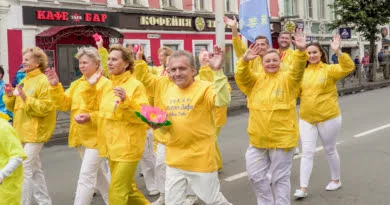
(53, 31)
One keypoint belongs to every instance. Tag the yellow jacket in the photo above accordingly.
(121, 134)
(79, 134)
(103, 53)
(319, 98)
(286, 59)
(206, 74)
(191, 139)
(10, 147)
(156, 87)
(240, 48)
(271, 102)
(158, 70)
(34, 119)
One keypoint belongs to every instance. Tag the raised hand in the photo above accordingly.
(120, 92)
(99, 43)
(204, 57)
(299, 40)
(82, 118)
(52, 76)
(140, 52)
(335, 44)
(95, 77)
(251, 53)
(216, 59)
(230, 22)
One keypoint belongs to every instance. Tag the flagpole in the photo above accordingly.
(219, 24)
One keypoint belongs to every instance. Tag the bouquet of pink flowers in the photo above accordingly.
(153, 116)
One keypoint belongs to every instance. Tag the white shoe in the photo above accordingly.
(153, 193)
(300, 194)
(160, 200)
(296, 151)
(333, 186)
(191, 200)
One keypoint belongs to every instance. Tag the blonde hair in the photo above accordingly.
(167, 51)
(127, 55)
(39, 56)
(90, 52)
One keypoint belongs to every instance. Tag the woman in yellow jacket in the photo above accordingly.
(121, 135)
(319, 111)
(34, 121)
(84, 137)
(272, 126)
(11, 157)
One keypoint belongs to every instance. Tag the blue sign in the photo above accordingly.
(345, 33)
(254, 19)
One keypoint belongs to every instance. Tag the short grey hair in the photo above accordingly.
(91, 52)
(180, 53)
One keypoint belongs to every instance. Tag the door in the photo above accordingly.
(67, 64)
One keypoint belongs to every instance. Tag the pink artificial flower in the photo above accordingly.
(153, 114)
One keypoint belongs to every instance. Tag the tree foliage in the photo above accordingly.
(364, 16)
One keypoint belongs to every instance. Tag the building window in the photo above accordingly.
(199, 5)
(310, 8)
(228, 6)
(144, 43)
(168, 3)
(321, 9)
(197, 46)
(291, 7)
(135, 2)
(173, 44)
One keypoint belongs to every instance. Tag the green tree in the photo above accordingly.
(364, 16)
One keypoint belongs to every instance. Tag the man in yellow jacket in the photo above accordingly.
(273, 125)
(34, 121)
(239, 47)
(11, 157)
(190, 151)
(285, 51)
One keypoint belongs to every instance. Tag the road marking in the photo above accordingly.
(371, 131)
(244, 174)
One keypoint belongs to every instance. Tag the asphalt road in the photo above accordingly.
(363, 148)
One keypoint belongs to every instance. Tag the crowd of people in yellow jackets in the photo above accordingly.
(181, 161)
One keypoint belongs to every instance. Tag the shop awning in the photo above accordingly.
(52, 35)
(53, 31)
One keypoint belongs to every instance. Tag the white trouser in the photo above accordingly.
(278, 163)
(34, 183)
(92, 175)
(148, 163)
(160, 167)
(328, 131)
(205, 185)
